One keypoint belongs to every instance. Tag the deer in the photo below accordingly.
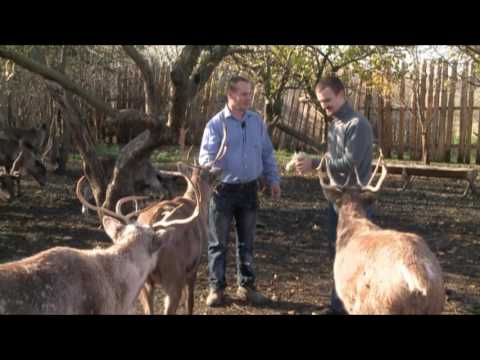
(178, 261)
(64, 280)
(145, 177)
(21, 157)
(35, 136)
(295, 157)
(9, 183)
(379, 271)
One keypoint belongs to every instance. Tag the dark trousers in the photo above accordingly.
(332, 221)
(239, 202)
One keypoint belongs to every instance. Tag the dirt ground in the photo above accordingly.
(291, 252)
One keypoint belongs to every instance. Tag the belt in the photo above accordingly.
(251, 185)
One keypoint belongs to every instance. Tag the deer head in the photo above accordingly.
(342, 193)
(115, 222)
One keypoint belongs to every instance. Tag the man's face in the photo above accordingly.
(241, 98)
(330, 102)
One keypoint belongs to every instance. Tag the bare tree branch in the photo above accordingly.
(152, 95)
(57, 77)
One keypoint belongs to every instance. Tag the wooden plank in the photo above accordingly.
(285, 108)
(443, 113)
(477, 160)
(299, 128)
(451, 104)
(387, 127)
(469, 119)
(422, 102)
(440, 172)
(436, 111)
(315, 122)
(307, 118)
(467, 174)
(401, 120)
(379, 116)
(358, 97)
(413, 123)
(289, 121)
(293, 119)
(463, 114)
(430, 110)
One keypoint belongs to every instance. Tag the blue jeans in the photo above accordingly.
(226, 205)
(332, 220)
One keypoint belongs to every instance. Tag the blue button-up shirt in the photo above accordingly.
(249, 148)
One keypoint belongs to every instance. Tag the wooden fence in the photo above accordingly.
(445, 89)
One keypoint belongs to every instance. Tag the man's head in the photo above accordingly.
(331, 94)
(239, 94)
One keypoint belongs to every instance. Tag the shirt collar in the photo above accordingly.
(344, 113)
(228, 114)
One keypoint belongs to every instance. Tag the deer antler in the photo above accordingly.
(375, 189)
(165, 223)
(332, 185)
(102, 210)
(222, 150)
(118, 206)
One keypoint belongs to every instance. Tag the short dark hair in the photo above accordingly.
(331, 81)
(232, 83)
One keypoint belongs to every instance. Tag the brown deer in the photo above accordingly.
(379, 271)
(145, 178)
(178, 261)
(64, 280)
(9, 184)
(21, 157)
(35, 136)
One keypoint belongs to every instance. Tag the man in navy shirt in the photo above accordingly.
(350, 143)
(249, 155)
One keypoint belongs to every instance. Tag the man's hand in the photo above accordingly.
(303, 166)
(276, 192)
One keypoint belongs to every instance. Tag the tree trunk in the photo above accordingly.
(425, 148)
(189, 75)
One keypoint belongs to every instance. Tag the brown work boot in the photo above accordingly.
(251, 295)
(215, 298)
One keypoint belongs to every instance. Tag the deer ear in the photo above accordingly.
(367, 198)
(112, 227)
(161, 238)
(332, 195)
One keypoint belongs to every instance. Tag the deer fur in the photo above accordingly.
(379, 271)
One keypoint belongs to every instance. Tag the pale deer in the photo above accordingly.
(379, 271)
(64, 280)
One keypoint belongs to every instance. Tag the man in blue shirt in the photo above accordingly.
(249, 155)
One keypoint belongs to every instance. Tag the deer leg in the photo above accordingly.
(471, 176)
(189, 298)
(407, 179)
(146, 298)
(17, 183)
(172, 300)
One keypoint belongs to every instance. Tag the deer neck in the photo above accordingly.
(352, 219)
(127, 265)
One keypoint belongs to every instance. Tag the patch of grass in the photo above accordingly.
(170, 154)
(476, 309)
(101, 149)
